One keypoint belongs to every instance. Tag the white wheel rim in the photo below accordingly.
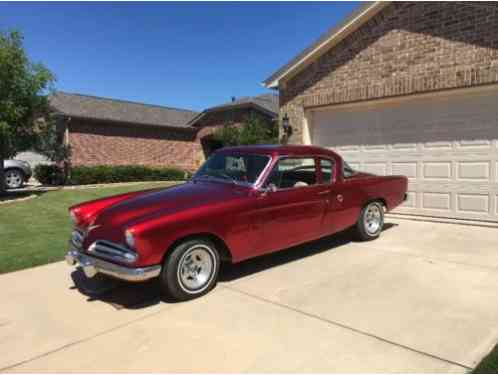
(373, 218)
(13, 179)
(196, 269)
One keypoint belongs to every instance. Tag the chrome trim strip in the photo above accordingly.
(91, 266)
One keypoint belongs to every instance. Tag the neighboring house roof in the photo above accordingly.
(330, 38)
(97, 108)
(266, 103)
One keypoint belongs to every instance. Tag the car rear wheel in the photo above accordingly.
(14, 178)
(191, 269)
(370, 222)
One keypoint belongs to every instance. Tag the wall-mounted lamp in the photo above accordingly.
(286, 126)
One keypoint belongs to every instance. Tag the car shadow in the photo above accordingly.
(122, 295)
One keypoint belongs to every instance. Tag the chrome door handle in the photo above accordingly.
(340, 198)
(324, 192)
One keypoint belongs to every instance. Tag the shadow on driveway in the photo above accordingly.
(122, 295)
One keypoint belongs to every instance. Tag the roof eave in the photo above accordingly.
(127, 123)
(352, 23)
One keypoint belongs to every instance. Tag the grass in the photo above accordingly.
(489, 365)
(35, 232)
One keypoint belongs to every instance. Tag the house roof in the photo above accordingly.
(266, 103)
(98, 108)
(326, 41)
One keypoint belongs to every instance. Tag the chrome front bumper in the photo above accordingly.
(92, 266)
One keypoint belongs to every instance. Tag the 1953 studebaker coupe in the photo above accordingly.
(243, 202)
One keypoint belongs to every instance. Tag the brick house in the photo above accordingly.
(234, 113)
(115, 132)
(406, 88)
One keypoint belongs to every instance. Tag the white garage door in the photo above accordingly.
(446, 145)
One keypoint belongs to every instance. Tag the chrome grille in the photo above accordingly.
(112, 251)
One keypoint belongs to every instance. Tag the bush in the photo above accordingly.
(49, 174)
(101, 174)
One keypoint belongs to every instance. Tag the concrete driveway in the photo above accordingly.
(422, 298)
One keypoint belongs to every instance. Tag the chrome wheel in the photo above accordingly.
(373, 218)
(196, 269)
(13, 179)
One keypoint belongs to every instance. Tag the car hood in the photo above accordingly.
(167, 201)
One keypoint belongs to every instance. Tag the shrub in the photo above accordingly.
(49, 174)
(101, 174)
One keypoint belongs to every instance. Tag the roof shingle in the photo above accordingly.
(98, 108)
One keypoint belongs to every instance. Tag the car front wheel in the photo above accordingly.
(14, 178)
(370, 222)
(191, 269)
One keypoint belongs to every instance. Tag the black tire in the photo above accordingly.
(14, 178)
(188, 264)
(366, 228)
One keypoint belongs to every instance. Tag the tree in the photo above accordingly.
(254, 130)
(24, 88)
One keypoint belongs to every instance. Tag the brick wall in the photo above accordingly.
(407, 48)
(94, 143)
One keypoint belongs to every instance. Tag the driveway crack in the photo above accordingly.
(345, 326)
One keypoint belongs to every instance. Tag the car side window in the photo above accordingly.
(293, 173)
(327, 168)
(347, 171)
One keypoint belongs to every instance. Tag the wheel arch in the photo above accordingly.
(377, 199)
(223, 250)
(16, 169)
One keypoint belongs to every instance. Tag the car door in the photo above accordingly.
(340, 201)
(292, 208)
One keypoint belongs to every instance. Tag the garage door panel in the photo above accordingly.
(375, 168)
(436, 201)
(408, 169)
(411, 200)
(447, 147)
(473, 170)
(437, 146)
(473, 144)
(404, 146)
(437, 170)
(473, 203)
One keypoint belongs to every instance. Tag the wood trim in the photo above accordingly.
(438, 95)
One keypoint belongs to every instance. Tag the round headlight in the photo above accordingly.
(130, 240)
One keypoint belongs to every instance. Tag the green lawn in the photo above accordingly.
(36, 231)
(489, 365)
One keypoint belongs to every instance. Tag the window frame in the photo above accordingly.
(333, 170)
(281, 157)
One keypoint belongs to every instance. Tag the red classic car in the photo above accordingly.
(243, 202)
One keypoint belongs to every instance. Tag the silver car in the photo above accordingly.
(17, 172)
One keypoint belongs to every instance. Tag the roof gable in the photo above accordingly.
(325, 42)
(97, 108)
(266, 103)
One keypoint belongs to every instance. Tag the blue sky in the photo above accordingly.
(187, 55)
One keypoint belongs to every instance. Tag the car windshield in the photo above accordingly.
(238, 168)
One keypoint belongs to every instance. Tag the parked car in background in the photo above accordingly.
(243, 202)
(17, 173)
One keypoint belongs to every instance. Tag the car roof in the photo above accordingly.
(281, 150)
